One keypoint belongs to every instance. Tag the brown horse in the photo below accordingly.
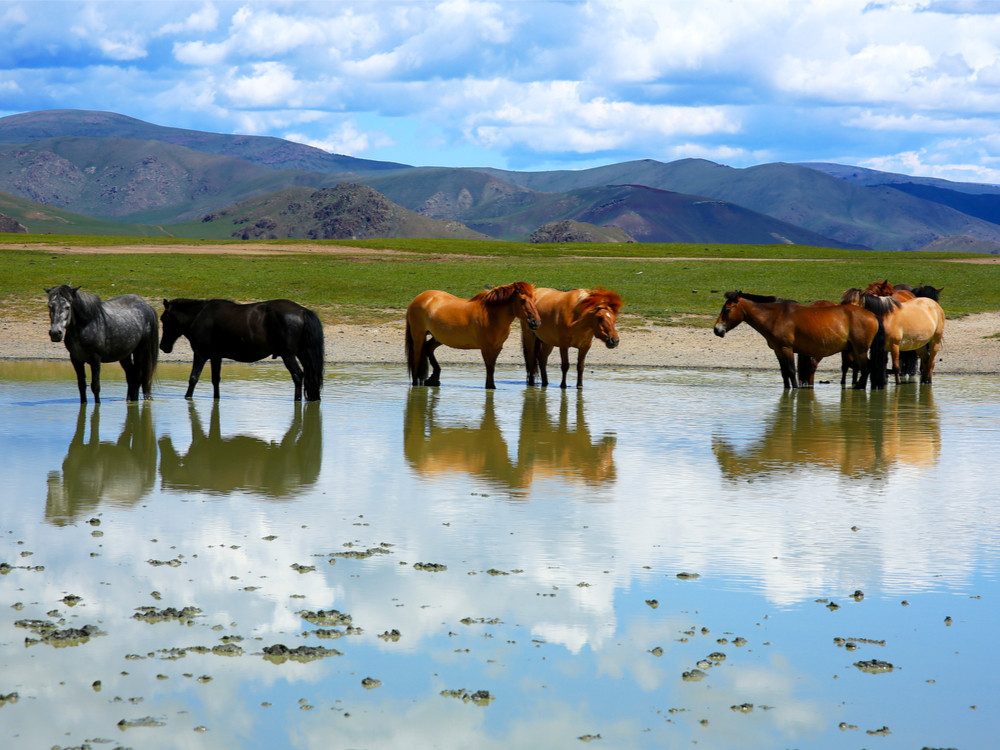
(903, 292)
(914, 324)
(482, 322)
(569, 319)
(808, 365)
(791, 328)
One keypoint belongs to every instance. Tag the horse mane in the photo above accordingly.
(851, 296)
(762, 298)
(601, 296)
(83, 302)
(501, 295)
(880, 288)
(925, 290)
(878, 304)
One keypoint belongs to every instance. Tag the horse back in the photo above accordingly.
(453, 321)
(559, 313)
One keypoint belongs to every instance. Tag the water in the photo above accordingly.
(554, 563)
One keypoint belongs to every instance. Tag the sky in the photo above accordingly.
(900, 86)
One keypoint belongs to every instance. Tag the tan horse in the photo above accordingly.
(790, 328)
(482, 322)
(569, 319)
(911, 324)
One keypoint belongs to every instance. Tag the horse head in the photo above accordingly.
(60, 310)
(730, 316)
(520, 295)
(880, 288)
(175, 324)
(602, 307)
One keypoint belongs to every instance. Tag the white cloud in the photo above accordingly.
(202, 20)
(268, 84)
(348, 138)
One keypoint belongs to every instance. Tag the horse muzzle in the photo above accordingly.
(611, 343)
(56, 336)
(533, 323)
(166, 347)
(720, 330)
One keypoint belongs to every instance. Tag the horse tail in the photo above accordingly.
(311, 354)
(147, 355)
(878, 358)
(418, 370)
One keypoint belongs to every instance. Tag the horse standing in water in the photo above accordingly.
(569, 319)
(910, 323)
(219, 328)
(482, 322)
(791, 328)
(122, 329)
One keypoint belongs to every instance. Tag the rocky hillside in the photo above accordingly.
(345, 211)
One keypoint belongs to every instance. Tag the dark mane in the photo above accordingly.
(501, 295)
(84, 303)
(601, 296)
(762, 298)
(878, 304)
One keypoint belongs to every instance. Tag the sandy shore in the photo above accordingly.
(967, 347)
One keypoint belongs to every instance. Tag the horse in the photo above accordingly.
(482, 322)
(220, 328)
(914, 324)
(808, 365)
(569, 319)
(790, 328)
(122, 329)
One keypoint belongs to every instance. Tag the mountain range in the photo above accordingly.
(88, 172)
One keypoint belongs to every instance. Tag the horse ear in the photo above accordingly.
(47, 291)
(166, 303)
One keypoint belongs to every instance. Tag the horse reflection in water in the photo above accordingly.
(119, 473)
(859, 437)
(437, 446)
(246, 463)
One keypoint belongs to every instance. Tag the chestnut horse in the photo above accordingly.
(903, 292)
(791, 328)
(569, 319)
(482, 322)
(914, 324)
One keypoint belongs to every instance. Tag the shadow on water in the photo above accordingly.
(546, 447)
(118, 473)
(864, 435)
(219, 465)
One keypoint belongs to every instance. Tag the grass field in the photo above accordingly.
(660, 283)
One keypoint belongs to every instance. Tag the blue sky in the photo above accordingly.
(903, 86)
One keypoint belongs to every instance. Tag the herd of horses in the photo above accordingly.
(867, 328)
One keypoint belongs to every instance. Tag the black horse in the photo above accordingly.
(122, 329)
(219, 328)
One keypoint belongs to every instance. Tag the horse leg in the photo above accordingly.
(216, 376)
(564, 363)
(490, 360)
(581, 356)
(296, 372)
(544, 350)
(429, 347)
(529, 346)
(81, 378)
(894, 354)
(196, 367)
(786, 361)
(95, 380)
(131, 378)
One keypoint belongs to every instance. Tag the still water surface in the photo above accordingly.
(556, 564)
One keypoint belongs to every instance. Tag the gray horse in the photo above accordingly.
(124, 329)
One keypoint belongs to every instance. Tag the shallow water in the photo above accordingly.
(571, 554)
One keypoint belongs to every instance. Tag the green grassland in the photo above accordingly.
(661, 283)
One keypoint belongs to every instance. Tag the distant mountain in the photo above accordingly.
(38, 218)
(274, 153)
(962, 244)
(877, 217)
(345, 211)
(111, 167)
